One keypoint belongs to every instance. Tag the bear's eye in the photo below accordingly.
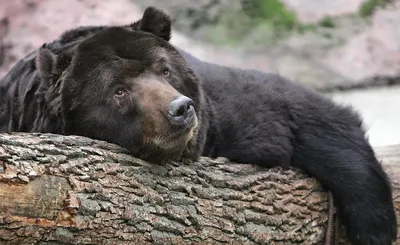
(119, 92)
(166, 72)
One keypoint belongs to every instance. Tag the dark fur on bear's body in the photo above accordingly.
(244, 115)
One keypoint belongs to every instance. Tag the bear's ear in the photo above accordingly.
(156, 22)
(50, 65)
(45, 62)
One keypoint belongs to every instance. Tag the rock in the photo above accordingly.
(311, 11)
(312, 48)
(28, 24)
(31, 23)
(372, 53)
(221, 55)
(299, 67)
(188, 15)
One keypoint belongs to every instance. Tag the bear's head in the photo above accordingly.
(129, 87)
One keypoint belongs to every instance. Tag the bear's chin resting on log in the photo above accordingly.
(129, 86)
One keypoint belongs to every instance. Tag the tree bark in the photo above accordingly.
(73, 190)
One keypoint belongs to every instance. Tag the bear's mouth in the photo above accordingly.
(179, 135)
(170, 145)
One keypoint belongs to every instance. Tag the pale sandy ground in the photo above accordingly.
(380, 109)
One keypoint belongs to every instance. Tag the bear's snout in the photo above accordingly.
(181, 111)
(169, 117)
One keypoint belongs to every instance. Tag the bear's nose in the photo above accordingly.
(180, 110)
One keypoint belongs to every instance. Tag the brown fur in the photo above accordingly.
(154, 97)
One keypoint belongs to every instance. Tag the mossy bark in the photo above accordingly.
(74, 190)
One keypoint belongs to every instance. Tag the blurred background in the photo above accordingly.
(346, 49)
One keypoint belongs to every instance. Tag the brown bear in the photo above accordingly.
(128, 85)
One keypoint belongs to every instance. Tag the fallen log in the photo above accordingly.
(73, 190)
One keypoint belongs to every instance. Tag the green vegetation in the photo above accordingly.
(253, 22)
(368, 7)
(273, 12)
(260, 21)
(327, 22)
